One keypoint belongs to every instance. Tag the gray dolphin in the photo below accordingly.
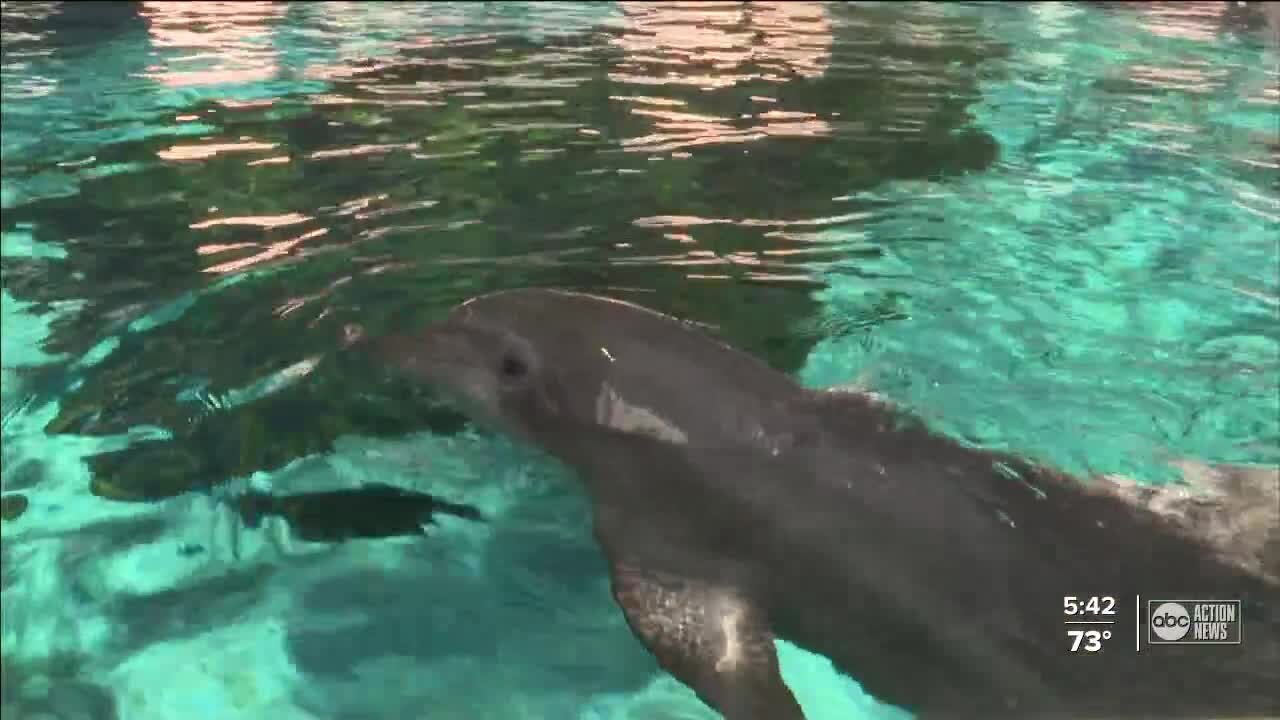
(734, 506)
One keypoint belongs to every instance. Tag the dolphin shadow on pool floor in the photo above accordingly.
(535, 624)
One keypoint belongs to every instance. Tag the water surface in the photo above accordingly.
(1049, 227)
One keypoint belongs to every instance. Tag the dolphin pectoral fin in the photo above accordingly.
(713, 640)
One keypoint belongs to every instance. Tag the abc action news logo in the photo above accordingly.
(1193, 622)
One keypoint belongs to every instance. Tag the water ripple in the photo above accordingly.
(303, 167)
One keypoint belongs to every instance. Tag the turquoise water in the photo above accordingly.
(1045, 227)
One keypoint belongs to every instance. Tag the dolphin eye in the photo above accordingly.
(512, 367)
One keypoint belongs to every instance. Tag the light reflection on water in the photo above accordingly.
(667, 148)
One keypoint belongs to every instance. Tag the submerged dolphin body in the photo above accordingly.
(734, 506)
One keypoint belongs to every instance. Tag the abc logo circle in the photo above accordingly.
(1171, 621)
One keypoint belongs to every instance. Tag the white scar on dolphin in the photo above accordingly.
(612, 410)
(730, 618)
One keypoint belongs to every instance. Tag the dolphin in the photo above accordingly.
(734, 507)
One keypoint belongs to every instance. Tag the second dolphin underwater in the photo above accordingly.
(734, 506)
